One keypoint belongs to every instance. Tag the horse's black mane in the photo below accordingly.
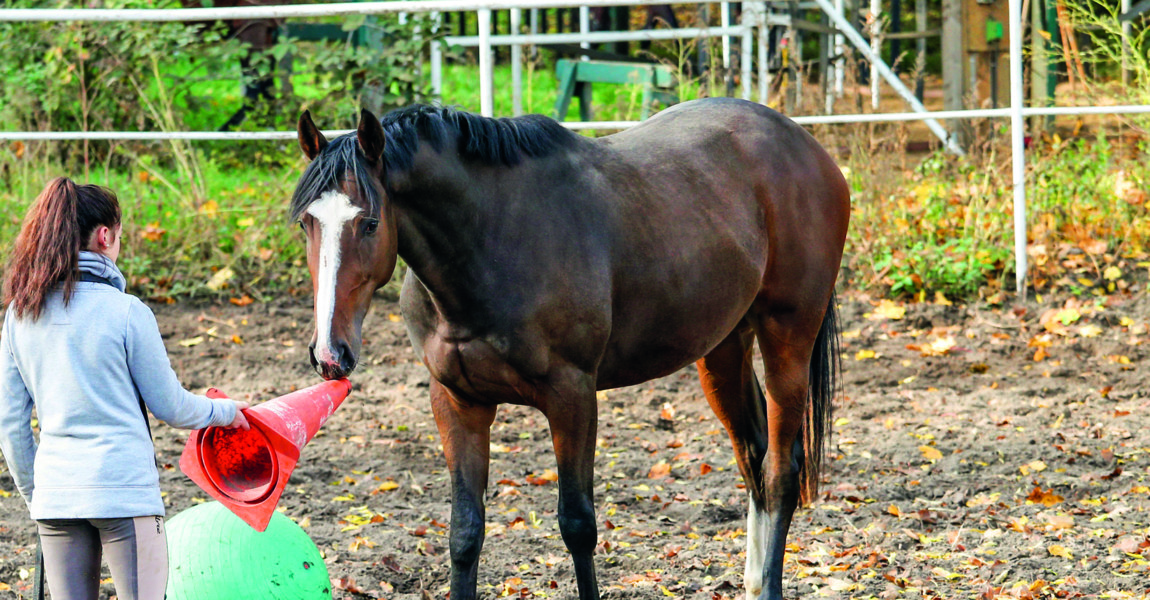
(493, 141)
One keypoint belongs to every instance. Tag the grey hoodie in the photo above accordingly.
(82, 366)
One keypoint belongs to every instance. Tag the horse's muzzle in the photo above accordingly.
(339, 365)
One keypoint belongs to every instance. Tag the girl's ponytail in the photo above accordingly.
(47, 250)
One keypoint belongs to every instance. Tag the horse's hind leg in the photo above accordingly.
(733, 391)
(787, 343)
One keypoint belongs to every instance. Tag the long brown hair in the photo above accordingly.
(56, 228)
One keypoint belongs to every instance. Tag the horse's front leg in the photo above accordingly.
(569, 405)
(466, 432)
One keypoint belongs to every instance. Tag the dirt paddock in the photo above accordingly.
(978, 453)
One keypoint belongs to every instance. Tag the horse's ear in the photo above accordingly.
(370, 135)
(311, 141)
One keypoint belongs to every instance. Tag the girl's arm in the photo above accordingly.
(16, 440)
(157, 382)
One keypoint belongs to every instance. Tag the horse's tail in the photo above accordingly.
(825, 367)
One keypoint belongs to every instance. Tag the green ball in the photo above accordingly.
(213, 555)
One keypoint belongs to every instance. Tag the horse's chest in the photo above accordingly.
(477, 368)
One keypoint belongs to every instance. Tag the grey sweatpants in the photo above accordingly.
(136, 549)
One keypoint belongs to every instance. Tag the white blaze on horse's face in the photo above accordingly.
(331, 211)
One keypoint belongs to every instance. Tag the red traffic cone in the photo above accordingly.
(247, 470)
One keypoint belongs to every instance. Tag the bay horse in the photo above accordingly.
(544, 266)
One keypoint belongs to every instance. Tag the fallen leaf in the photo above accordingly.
(938, 347)
(660, 470)
(345, 583)
(1095, 247)
(1045, 498)
(887, 309)
(188, 343)
(930, 452)
(242, 300)
(1067, 316)
(548, 476)
(220, 279)
(1089, 331)
(1059, 522)
(387, 486)
(1056, 550)
(864, 354)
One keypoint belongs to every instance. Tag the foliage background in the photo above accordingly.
(208, 220)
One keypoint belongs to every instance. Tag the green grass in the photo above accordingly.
(541, 89)
(174, 245)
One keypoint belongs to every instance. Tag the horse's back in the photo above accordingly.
(707, 194)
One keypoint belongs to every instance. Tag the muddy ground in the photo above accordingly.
(1010, 463)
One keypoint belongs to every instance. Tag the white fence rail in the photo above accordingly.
(1016, 111)
(154, 15)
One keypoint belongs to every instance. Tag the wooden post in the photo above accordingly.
(953, 73)
(826, 74)
(1038, 64)
(840, 49)
(795, 63)
(896, 27)
(920, 60)
(622, 20)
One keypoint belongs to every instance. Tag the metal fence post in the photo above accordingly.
(516, 64)
(486, 68)
(876, 48)
(745, 51)
(764, 57)
(1017, 152)
(436, 69)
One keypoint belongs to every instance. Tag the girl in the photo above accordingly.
(89, 357)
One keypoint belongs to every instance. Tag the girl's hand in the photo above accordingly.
(240, 421)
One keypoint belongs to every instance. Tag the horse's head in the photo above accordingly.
(341, 205)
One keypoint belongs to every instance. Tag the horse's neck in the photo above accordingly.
(441, 232)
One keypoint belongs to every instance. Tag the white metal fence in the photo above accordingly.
(1016, 111)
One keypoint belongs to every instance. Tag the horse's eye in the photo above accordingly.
(370, 225)
(301, 226)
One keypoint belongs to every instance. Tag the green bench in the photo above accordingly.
(363, 35)
(576, 76)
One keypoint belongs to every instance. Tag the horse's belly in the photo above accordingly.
(637, 371)
(669, 345)
(664, 328)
